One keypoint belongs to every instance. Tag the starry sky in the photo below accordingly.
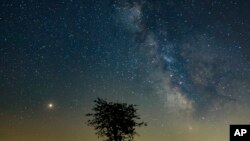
(185, 63)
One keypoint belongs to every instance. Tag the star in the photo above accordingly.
(190, 127)
(50, 105)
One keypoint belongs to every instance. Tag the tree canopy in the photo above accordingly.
(114, 121)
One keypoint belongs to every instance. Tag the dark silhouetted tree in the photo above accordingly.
(115, 121)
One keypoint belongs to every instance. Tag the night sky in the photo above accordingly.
(186, 64)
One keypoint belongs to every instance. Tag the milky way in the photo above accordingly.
(194, 70)
(184, 63)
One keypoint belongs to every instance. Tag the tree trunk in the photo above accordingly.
(115, 132)
(115, 137)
